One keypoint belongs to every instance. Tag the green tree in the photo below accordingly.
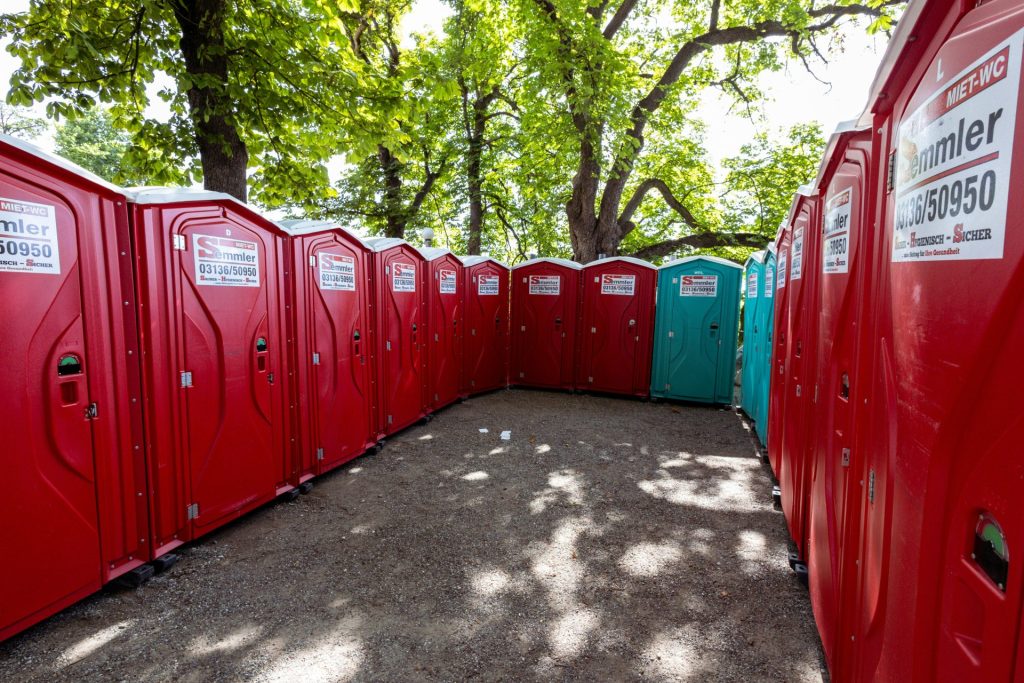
(614, 70)
(764, 176)
(17, 121)
(93, 142)
(260, 86)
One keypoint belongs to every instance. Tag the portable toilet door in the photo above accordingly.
(213, 279)
(74, 508)
(695, 330)
(545, 299)
(486, 347)
(798, 402)
(765, 322)
(445, 305)
(752, 337)
(616, 326)
(401, 322)
(779, 350)
(944, 533)
(333, 335)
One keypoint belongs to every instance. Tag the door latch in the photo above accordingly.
(92, 411)
(270, 378)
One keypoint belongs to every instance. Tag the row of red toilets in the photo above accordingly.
(895, 427)
(173, 360)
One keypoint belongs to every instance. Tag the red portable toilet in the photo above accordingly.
(485, 360)
(545, 305)
(780, 351)
(333, 346)
(617, 326)
(74, 505)
(445, 293)
(401, 328)
(798, 401)
(848, 185)
(940, 589)
(213, 281)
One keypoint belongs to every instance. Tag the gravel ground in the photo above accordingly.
(607, 540)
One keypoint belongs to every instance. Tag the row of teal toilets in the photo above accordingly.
(758, 322)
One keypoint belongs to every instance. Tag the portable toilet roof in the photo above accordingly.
(713, 259)
(550, 259)
(303, 226)
(474, 260)
(433, 253)
(383, 243)
(624, 259)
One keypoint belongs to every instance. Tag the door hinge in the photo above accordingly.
(387, 345)
(320, 454)
(815, 393)
(846, 457)
(435, 397)
(312, 261)
(593, 330)
(92, 411)
(871, 486)
(179, 243)
(671, 334)
(472, 332)
(389, 419)
(387, 270)
(192, 511)
(186, 380)
(798, 391)
(668, 387)
(590, 380)
(316, 358)
(522, 328)
(436, 338)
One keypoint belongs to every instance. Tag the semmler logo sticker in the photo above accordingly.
(835, 246)
(337, 272)
(953, 159)
(698, 285)
(403, 277)
(448, 282)
(546, 285)
(487, 285)
(28, 238)
(225, 261)
(618, 284)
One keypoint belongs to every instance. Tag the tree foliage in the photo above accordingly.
(92, 141)
(547, 127)
(21, 123)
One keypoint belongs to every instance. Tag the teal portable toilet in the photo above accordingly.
(696, 323)
(766, 323)
(753, 334)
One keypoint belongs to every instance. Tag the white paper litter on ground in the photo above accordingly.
(506, 436)
(483, 430)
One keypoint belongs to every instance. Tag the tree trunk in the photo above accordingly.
(581, 207)
(222, 153)
(393, 209)
(474, 176)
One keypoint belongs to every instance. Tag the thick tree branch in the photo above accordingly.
(661, 186)
(619, 18)
(700, 240)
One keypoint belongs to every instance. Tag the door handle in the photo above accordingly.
(558, 321)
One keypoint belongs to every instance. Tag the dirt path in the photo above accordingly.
(607, 540)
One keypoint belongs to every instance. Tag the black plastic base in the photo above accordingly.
(794, 559)
(801, 573)
(291, 495)
(305, 487)
(165, 562)
(137, 576)
(777, 497)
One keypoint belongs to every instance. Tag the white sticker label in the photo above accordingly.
(337, 272)
(28, 238)
(403, 277)
(546, 285)
(798, 254)
(487, 285)
(769, 282)
(780, 277)
(447, 282)
(953, 163)
(225, 261)
(621, 285)
(698, 285)
(752, 284)
(835, 246)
